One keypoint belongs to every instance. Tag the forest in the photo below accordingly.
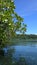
(26, 36)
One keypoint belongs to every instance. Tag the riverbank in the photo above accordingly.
(21, 41)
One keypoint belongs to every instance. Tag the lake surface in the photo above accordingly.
(27, 51)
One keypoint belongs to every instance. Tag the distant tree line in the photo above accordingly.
(26, 36)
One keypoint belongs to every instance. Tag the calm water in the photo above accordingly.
(27, 51)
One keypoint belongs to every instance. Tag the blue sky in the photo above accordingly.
(28, 10)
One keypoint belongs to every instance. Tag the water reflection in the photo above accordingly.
(20, 55)
(9, 59)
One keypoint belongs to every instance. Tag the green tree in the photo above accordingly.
(10, 21)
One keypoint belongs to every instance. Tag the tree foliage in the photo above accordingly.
(10, 21)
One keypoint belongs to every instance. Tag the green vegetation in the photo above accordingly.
(10, 22)
(25, 36)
